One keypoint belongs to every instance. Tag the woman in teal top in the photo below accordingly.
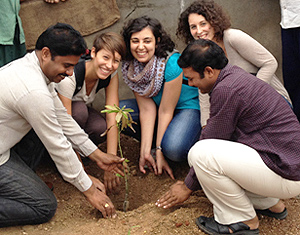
(188, 98)
(166, 108)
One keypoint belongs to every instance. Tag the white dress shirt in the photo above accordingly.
(28, 100)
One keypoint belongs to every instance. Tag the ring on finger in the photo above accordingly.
(106, 205)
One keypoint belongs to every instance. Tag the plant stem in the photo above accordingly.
(125, 170)
(119, 142)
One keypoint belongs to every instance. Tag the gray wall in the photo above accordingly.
(258, 18)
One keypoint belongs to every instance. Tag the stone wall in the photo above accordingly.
(258, 18)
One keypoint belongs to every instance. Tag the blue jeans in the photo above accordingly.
(182, 133)
(24, 197)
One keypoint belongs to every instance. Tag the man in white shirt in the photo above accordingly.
(290, 35)
(29, 101)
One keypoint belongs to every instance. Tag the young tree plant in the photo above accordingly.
(123, 120)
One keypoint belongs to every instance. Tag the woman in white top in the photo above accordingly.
(207, 20)
(92, 73)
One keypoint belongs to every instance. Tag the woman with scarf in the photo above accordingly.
(166, 108)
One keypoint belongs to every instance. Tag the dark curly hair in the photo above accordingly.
(163, 41)
(211, 11)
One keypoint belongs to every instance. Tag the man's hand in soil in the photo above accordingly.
(99, 185)
(112, 182)
(100, 200)
(162, 164)
(107, 161)
(177, 194)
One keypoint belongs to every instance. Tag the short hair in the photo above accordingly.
(163, 40)
(110, 41)
(62, 40)
(202, 53)
(211, 11)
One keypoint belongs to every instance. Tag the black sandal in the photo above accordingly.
(210, 226)
(267, 212)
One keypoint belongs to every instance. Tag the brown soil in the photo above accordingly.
(77, 217)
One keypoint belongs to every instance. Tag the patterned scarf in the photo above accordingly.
(144, 80)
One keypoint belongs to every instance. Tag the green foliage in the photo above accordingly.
(124, 120)
(135, 226)
(123, 117)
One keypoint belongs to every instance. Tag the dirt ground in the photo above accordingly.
(75, 216)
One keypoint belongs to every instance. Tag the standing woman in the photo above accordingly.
(167, 108)
(97, 71)
(207, 20)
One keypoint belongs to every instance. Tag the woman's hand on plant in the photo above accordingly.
(162, 164)
(107, 161)
(177, 194)
(147, 160)
(100, 201)
(112, 182)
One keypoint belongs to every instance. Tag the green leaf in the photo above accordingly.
(108, 111)
(117, 174)
(111, 107)
(118, 117)
(125, 115)
(131, 127)
(128, 110)
(135, 226)
(116, 107)
(107, 130)
(124, 124)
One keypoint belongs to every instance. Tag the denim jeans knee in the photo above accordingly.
(182, 133)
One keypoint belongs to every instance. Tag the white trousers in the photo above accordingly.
(236, 180)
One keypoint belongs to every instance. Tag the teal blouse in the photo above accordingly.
(189, 96)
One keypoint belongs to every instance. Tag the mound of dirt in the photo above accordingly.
(75, 216)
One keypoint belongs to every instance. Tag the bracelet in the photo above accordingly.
(159, 148)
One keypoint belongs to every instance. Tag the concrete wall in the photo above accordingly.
(258, 18)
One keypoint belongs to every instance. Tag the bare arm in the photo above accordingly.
(166, 109)
(112, 98)
(147, 109)
(111, 181)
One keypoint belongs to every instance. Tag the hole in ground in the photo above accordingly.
(143, 188)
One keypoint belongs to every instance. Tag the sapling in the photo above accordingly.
(123, 120)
